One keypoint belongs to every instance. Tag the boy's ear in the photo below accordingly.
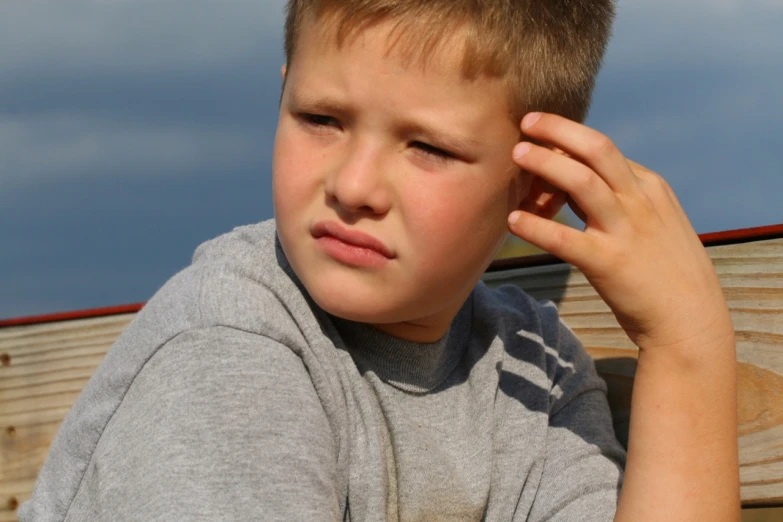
(544, 199)
(283, 69)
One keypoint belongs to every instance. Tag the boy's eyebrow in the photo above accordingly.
(313, 103)
(449, 140)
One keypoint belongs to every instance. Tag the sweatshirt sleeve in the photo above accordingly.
(220, 424)
(584, 462)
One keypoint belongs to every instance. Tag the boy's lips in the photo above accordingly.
(351, 237)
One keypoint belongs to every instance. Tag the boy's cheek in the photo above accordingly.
(453, 224)
(291, 171)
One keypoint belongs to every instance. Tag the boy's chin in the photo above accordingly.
(370, 311)
(375, 308)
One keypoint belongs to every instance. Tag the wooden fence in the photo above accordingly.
(45, 361)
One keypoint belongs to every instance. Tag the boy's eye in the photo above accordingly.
(430, 150)
(319, 120)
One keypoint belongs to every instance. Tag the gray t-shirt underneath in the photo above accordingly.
(232, 396)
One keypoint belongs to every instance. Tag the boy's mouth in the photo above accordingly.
(354, 238)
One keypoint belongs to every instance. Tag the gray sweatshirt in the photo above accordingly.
(232, 396)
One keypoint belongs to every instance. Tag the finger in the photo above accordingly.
(588, 145)
(661, 195)
(583, 185)
(637, 168)
(663, 198)
(651, 179)
(570, 245)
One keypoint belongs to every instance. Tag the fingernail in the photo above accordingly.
(530, 120)
(521, 149)
(514, 217)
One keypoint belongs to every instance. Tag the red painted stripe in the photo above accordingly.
(743, 235)
(70, 316)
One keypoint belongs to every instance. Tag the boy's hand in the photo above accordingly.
(638, 248)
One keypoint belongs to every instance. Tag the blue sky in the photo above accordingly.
(133, 130)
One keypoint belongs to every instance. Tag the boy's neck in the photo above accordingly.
(413, 332)
(430, 329)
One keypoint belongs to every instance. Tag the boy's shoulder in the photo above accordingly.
(532, 331)
(236, 291)
(221, 332)
(239, 280)
(509, 309)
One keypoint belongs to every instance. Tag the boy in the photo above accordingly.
(344, 362)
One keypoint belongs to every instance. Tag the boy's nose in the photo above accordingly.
(358, 183)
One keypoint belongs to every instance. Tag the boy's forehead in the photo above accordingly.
(453, 114)
(440, 68)
(401, 41)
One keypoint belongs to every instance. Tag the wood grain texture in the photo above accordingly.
(752, 278)
(43, 367)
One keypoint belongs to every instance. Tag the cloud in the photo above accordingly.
(137, 88)
(61, 146)
(134, 35)
(672, 32)
(130, 131)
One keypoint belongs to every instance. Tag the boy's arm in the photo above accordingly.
(219, 425)
(641, 254)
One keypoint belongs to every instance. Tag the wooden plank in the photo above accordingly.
(43, 368)
(752, 278)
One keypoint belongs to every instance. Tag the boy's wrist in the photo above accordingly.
(690, 338)
(688, 362)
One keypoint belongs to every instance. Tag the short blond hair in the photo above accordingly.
(548, 51)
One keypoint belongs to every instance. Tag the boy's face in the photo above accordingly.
(415, 156)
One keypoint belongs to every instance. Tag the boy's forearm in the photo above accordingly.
(641, 254)
(682, 454)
